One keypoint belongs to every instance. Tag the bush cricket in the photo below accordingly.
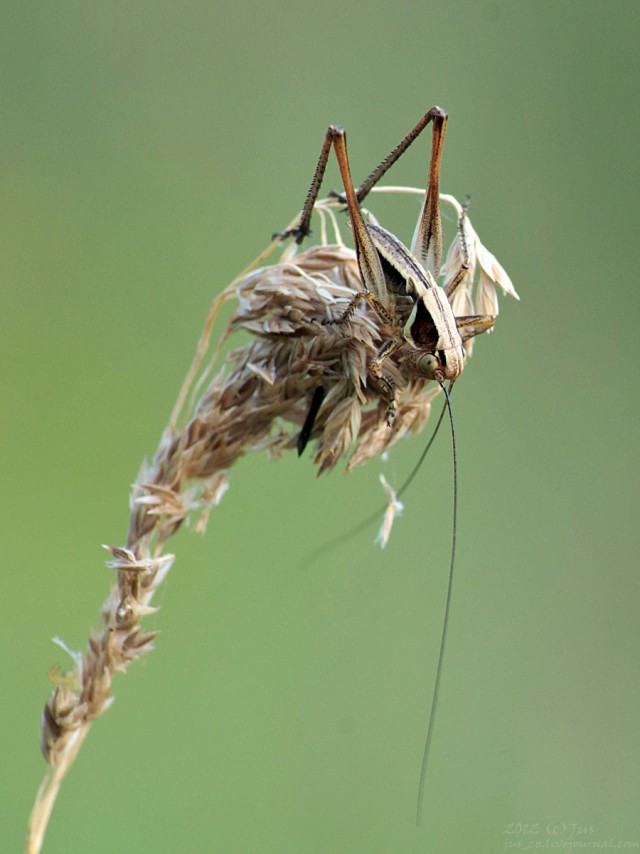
(399, 285)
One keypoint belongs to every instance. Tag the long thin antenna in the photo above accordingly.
(445, 622)
(330, 545)
(421, 459)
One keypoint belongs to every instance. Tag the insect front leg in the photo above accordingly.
(451, 286)
(375, 367)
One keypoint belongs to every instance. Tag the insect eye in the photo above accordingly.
(428, 364)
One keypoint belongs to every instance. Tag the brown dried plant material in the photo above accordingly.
(258, 400)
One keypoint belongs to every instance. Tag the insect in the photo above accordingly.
(399, 283)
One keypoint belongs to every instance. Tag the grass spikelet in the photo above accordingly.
(257, 400)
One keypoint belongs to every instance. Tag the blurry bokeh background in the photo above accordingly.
(149, 149)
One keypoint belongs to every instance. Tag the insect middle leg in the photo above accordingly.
(385, 315)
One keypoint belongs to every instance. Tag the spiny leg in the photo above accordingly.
(450, 287)
(427, 241)
(370, 267)
(375, 288)
(474, 324)
(435, 114)
(375, 367)
(355, 301)
(468, 325)
(302, 228)
(367, 254)
(371, 273)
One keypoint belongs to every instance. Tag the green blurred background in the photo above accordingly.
(149, 150)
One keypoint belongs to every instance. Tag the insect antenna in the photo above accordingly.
(445, 621)
(422, 457)
(333, 543)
